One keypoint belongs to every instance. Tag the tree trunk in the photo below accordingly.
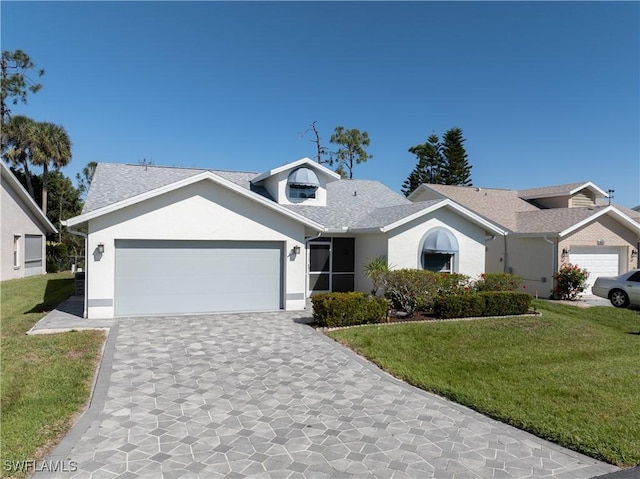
(25, 166)
(45, 181)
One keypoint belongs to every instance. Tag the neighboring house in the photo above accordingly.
(547, 227)
(179, 241)
(24, 231)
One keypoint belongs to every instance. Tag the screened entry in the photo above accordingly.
(331, 265)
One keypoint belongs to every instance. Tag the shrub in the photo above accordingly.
(571, 281)
(452, 283)
(410, 290)
(459, 305)
(348, 309)
(503, 303)
(56, 256)
(498, 282)
(485, 303)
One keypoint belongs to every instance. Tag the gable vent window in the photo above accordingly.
(303, 184)
(438, 251)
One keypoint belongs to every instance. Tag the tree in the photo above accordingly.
(352, 148)
(320, 150)
(15, 81)
(84, 180)
(50, 146)
(18, 136)
(443, 163)
(457, 170)
(66, 203)
(429, 167)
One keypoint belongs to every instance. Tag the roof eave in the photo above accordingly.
(634, 225)
(206, 175)
(302, 161)
(446, 202)
(28, 200)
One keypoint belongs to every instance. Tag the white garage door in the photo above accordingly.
(601, 261)
(154, 277)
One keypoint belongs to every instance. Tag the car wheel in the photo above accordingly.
(619, 298)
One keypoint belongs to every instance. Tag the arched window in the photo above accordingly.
(439, 248)
(303, 183)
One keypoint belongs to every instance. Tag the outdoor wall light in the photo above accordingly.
(565, 252)
(296, 249)
(634, 254)
(101, 248)
(600, 242)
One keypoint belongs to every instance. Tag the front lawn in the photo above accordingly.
(44, 380)
(570, 376)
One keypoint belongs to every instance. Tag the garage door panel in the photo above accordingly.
(178, 277)
(601, 261)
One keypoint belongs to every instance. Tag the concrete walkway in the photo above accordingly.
(266, 396)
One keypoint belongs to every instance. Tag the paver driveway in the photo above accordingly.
(266, 396)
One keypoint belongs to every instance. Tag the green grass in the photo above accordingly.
(571, 376)
(45, 380)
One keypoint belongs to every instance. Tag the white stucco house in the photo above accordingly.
(548, 226)
(166, 241)
(24, 230)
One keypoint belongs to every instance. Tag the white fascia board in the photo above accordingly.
(421, 188)
(632, 224)
(453, 205)
(29, 202)
(206, 175)
(295, 164)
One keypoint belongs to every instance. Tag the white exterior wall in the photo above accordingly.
(17, 219)
(405, 242)
(368, 246)
(535, 260)
(203, 211)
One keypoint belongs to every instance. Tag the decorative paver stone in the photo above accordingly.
(265, 396)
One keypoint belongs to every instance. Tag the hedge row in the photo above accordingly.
(484, 303)
(332, 310)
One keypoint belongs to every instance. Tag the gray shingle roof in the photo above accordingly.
(507, 208)
(496, 205)
(557, 190)
(365, 203)
(349, 201)
(553, 220)
(114, 182)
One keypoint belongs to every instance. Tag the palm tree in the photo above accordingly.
(17, 136)
(50, 145)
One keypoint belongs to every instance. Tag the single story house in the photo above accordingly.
(546, 227)
(166, 241)
(24, 230)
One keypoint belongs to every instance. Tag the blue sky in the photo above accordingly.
(545, 92)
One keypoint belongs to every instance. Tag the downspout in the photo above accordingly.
(86, 266)
(306, 268)
(554, 259)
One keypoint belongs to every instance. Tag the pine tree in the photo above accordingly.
(457, 170)
(430, 165)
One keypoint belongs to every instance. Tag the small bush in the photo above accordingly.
(486, 303)
(571, 281)
(332, 310)
(459, 306)
(503, 303)
(410, 290)
(498, 282)
(56, 256)
(452, 283)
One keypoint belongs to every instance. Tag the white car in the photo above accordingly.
(622, 291)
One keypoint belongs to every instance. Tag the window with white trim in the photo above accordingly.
(16, 251)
